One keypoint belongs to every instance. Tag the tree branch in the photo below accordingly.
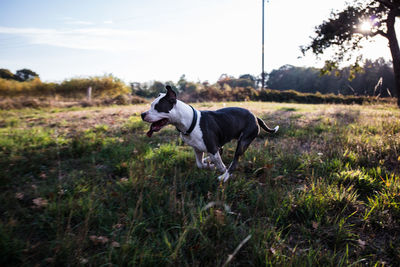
(379, 32)
(373, 34)
(393, 7)
(387, 4)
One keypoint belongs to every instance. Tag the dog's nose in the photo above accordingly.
(143, 115)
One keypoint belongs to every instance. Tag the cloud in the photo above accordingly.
(79, 22)
(73, 21)
(103, 39)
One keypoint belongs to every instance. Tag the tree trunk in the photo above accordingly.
(395, 50)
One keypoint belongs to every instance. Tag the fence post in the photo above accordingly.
(89, 94)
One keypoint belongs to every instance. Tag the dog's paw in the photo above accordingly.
(224, 177)
(207, 164)
(206, 159)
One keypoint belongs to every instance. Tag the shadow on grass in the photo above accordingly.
(303, 195)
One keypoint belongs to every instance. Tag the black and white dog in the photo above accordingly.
(206, 131)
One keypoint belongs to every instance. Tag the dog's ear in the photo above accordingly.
(171, 95)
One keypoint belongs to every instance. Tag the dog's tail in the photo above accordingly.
(265, 127)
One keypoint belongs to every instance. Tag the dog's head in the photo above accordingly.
(159, 113)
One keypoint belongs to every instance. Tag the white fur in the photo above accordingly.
(153, 115)
(195, 139)
(224, 177)
(180, 116)
(216, 159)
(203, 163)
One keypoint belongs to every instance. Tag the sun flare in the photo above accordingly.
(366, 26)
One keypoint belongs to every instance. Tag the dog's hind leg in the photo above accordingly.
(242, 145)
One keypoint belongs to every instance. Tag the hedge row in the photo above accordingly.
(250, 94)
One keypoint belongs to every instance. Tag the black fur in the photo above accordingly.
(167, 102)
(217, 126)
(223, 125)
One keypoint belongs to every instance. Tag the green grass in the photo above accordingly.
(87, 187)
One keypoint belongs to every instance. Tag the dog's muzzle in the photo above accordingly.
(143, 115)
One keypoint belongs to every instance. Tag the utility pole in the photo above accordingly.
(262, 71)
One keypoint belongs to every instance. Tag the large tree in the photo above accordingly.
(26, 75)
(345, 30)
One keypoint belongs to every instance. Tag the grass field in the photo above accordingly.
(85, 186)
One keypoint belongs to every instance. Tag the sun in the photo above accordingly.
(366, 26)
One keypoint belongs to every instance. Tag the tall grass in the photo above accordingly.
(102, 86)
(323, 191)
(35, 87)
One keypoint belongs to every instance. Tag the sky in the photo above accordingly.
(140, 41)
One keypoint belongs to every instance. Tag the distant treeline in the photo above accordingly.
(374, 78)
(228, 89)
(298, 84)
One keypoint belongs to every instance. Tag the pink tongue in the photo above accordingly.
(151, 130)
(156, 126)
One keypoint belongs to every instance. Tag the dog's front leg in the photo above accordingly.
(200, 162)
(221, 167)
(216, 159)
(219, 164)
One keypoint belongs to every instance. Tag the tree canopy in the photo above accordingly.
(7, 74)
(26, 74)
(20, 75)
(361, 20)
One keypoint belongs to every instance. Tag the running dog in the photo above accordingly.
(206, 131)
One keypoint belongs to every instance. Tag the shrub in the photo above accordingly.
(105, 86)
(102, 87)
(34, 87)
(226, 93)
(121, 100)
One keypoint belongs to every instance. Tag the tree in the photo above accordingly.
(7, 74)
(250, 79)
(21, 75)
(155, 89)
(26, 75)
(345, 30)
(244, 81)
(375, 79)
(181, 84)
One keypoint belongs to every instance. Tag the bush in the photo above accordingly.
(102, 87)
(121, 100)
(213, 93)
(105, 86)
(34, 87)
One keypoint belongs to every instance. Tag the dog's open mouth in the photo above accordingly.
(156, 126)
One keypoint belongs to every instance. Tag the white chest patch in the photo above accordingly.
(195, 139)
